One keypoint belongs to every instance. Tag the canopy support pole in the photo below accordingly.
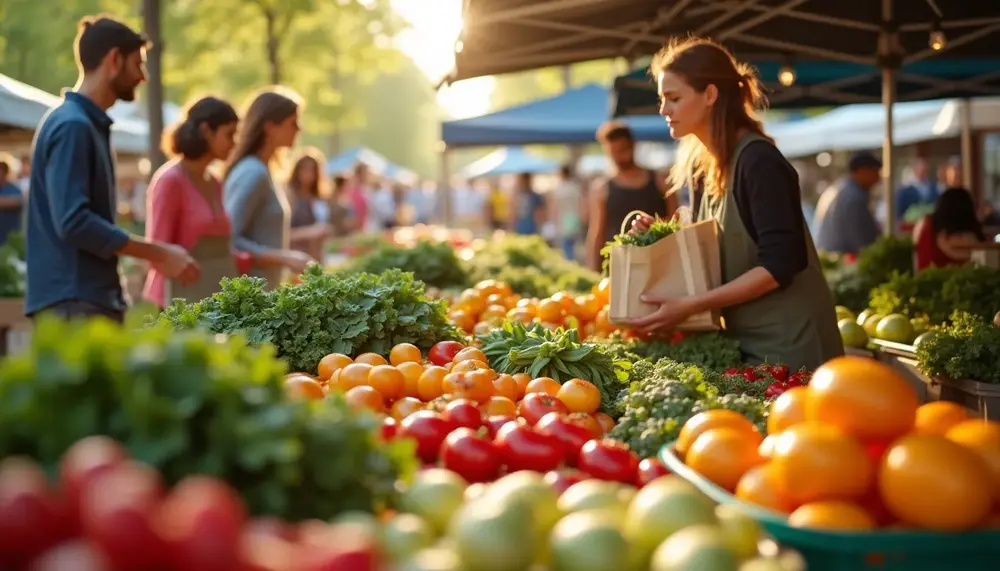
(444, 193)
(890, 58)
(965, 138)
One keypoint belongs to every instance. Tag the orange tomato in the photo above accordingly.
(814, 462)
(471, 302)
(497, 405)
(546, 385)
(521, 314)
(430, 384)
(462, 319)
(724, 455)
(606, 422)
(602, 324)
(705, 421)
(469, 365)
(404, 353)
(550, 310)
(767, 446)
(302, 386)
(587, 421)
(494, 312)
(936, 484)
(470, 354)
(404, 407)
(493, 287)
(331, 363)
(862, 397)
(787, 410)
(388, 381)
(522, 380)
(372, 359)
(983, 438)
(938, 417)
(602, 291)
(439, 404)
(474, 385)
(579, 396)
(832, 514)
(496, 299)
(334, 383)
(411, 378)
(758, 486)
(505, 386)
(354, 375)
(587, 307)
(365, 398)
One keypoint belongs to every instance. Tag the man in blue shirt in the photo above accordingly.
(921, 190)
(11, 202)
(73, 243)
(844, 222)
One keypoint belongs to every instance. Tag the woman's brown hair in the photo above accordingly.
(186, 139)
(700, 63)
(304, 157)
(269, 105)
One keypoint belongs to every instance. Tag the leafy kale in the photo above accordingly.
(967, 350)
(433, 263)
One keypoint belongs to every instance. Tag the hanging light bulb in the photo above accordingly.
(937, 38)
(786, 75)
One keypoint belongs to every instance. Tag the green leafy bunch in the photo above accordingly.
(659, 229)
(709, 350)
(936, 292)
(434, 263)
(191, 403)
(663, 396)
(967, 349)
(877, 264)
(558, 354)
(325, 313)
(530, 266)
(11, 266)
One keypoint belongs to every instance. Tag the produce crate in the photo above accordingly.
(891, 348)
(982, 399)
(855, 352)
(883, 550)
(927, 389)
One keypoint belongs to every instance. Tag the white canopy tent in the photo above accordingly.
(23, 106)
(859, 127)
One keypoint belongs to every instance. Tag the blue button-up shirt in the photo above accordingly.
(72, 239)
(844, 222)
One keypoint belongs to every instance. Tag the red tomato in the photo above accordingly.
(429, 429)
(609, 460)
(571, 436)
(76, 555)
(442, 353)
(876, 450)
(89, 458)
(524, 449)
(202, 522)
(561, 480)
(649, 470)
(463, 413)
(536, 405)
(469, 456)
(390, 428)
(118, 513)
(495, 422)
(272, 527)
(339, 547)
(32, 520)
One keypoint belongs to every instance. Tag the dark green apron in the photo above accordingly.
(797, 325)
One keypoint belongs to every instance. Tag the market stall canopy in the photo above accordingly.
(858, 127)
(23, 106)
(571, 117)
(344, 164)
(819, 83)
(503, 36)
(509, 160)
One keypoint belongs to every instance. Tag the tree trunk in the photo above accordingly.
(272, 46)
(154, 87)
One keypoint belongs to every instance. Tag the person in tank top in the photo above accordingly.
(631, 187)
(773, 298)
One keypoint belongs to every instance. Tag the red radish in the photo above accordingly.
(201, 522)
(84, 462)
(32, 519)
(76, 555)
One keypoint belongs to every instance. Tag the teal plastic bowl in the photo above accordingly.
(882, 550)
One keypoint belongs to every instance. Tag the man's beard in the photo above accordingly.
(124, 88)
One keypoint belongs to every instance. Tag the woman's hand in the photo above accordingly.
(641, 224)
(297, 261)
(672, 312)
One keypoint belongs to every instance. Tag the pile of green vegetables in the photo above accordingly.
(325, 313)
(558, 354)
(433, 263)
(967, 349)
(659, 229)
(935, 293)
(12, 266)
(530, 266)
(888, 256)
(195, 404)
(710, 350)
(662, 396)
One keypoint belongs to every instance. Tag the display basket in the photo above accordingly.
(882, 550)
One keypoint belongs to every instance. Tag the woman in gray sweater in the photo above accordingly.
(259, 212)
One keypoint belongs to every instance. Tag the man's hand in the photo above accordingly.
(176, 263)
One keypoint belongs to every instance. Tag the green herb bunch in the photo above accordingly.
(530, 266)
(936, 292)
(11, 266)
(888, 256)
(193, 403)
(709, 350)
(967, 349)
(663, 396)
(325, 313)
(558, 354)
(434, 263)
(659, 229)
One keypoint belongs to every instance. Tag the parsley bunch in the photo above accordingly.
(433, 263)
(966, 350)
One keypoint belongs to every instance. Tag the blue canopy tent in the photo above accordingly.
(509, 160)
(571, 117)
(821, 83)
(345, 162)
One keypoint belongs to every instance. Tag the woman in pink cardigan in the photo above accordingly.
(184, 201)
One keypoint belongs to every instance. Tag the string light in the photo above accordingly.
(786, 75)
(937, 38)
